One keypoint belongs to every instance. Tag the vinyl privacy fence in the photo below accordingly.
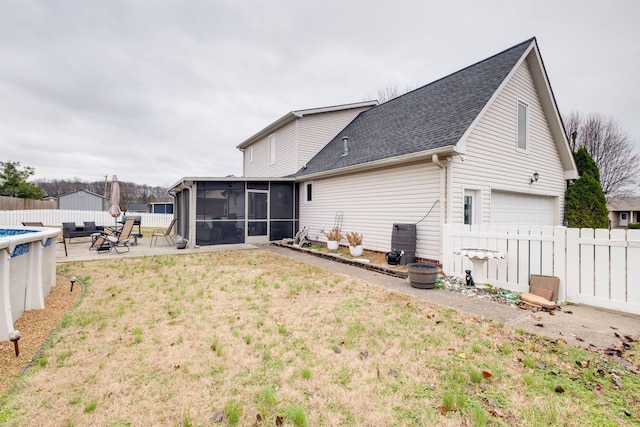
(596, 267)
(55, 217)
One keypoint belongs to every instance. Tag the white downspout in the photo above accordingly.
(444, 205)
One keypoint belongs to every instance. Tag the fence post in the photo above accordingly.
(560, 261)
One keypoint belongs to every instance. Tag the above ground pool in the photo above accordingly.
(27, 271)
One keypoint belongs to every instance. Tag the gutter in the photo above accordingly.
(392, 161)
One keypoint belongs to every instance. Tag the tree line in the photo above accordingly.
(14, 182)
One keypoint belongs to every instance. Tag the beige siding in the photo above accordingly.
(285, 154)
(315, 131)
(491, 160)
(296, 143)
(372, 202)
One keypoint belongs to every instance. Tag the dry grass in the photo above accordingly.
(249, 337)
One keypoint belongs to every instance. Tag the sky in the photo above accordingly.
(153, 91)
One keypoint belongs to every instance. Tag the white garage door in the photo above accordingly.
(518, 208)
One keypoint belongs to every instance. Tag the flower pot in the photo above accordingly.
(422, 276)
(356, 250)
(332, 245)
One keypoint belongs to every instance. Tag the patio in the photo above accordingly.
(78, 250)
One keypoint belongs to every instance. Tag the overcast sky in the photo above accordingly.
(152, 91)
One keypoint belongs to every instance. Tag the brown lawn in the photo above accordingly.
(251, 338)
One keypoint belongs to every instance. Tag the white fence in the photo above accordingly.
(596, 267)
(55, 217)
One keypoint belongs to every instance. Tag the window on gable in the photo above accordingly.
(272, 149)
(523, 126)
(250, 155)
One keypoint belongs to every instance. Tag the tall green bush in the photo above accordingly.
(586, 205)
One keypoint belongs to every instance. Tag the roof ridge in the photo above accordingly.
(528, 41)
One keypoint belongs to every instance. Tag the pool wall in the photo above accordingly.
(27, 271)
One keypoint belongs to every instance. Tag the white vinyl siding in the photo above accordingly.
(296, 143)
(315, 131)
(523, 126)
(371, 202)
(285, 154)
(493, 163)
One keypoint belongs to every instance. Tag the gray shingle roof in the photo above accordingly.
(428, 118)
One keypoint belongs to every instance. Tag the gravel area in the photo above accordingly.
(35, 326)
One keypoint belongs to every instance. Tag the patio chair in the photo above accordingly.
(160, 232)
(104, 242)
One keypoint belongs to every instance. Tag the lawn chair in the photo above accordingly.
(39, 224)
(104, 242)
(161, 232)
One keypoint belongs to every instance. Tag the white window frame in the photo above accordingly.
(250, 155)
(476, 203)
(519, 104)
(271, 141)
(308, 195)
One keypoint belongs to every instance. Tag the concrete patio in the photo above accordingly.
(78, 250)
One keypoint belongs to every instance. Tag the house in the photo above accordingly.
(138, 207)
(484, 145)
(262, 206)
(162, 207)
(286, 145)
(83, 200)
(623, 210)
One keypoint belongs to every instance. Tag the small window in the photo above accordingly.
(471, 207)
(272, 149)
(523, 126)
(309, 189)
(468, 209)
(250, 155)
(623, 216)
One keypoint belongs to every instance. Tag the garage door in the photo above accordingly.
(519, 208)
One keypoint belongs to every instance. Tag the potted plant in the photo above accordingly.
(333, 238)
(355, 243)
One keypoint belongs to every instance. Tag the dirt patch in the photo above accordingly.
(35, 327)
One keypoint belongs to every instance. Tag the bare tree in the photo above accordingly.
(389, 92)
(609, 146)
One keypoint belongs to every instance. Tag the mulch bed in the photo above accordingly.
(35, 327)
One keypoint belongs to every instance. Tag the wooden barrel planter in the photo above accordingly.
(422, 276)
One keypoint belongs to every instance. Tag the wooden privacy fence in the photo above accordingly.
(55, 217)
(597, 267)
(15, 203)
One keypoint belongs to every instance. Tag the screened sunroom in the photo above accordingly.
(216, 211)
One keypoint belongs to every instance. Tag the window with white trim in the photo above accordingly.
(272, 149)
(523, 126)
(250, 154)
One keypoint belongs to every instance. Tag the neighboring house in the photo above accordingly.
(138, 207)
(623, 210)
(484, 145)
(161, 207)
(83, 201)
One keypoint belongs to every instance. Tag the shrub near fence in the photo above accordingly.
(595, 267)
(55, 217)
